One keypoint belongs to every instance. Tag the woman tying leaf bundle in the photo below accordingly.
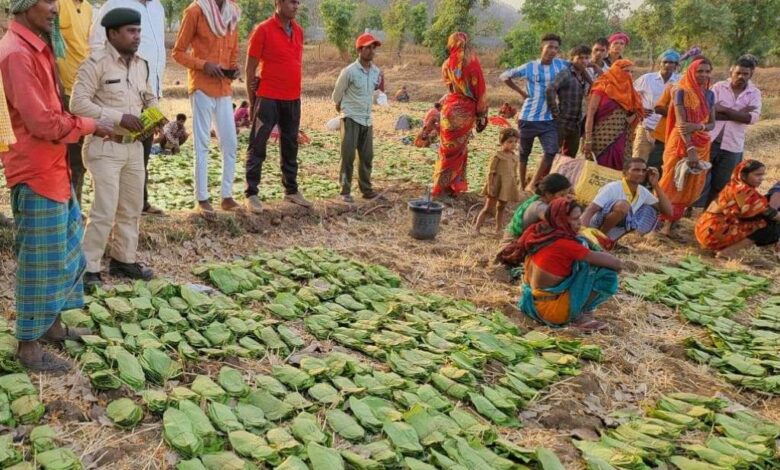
(564, 279)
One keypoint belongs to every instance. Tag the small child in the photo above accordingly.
(503, 184)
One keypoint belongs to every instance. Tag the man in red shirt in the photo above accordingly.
(276, 46)
(47, 218)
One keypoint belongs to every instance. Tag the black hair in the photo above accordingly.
(631, 161)
(507, 133)
(181, 117)
(750, 167)
(748, 61)
(551, 37)
(551, 184)
(437, 105)
(579, 50)
(244, 103)
(602, 42)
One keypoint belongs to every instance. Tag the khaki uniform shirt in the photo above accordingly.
(107, 88)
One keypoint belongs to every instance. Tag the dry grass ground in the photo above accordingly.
(644, 355)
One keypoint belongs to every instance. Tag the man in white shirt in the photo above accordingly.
(650, 86)
(627, 205)
(151, 49)
(597, 65)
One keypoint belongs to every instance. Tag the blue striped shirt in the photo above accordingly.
(537, 76)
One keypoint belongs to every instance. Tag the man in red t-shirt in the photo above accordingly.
(276, 47)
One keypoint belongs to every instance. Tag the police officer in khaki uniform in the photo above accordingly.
(113, 85)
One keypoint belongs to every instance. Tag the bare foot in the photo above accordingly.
(666, 229)
(229, 204)
(476, 231)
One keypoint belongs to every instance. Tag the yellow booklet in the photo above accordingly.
(151, 118)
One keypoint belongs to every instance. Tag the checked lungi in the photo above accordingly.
(50, 262)
(643, 220)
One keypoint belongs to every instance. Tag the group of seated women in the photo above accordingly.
(561, 250)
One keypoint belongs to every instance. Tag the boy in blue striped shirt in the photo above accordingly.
(536, 120)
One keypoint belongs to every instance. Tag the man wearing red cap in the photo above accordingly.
(353, 96)
(617, 44)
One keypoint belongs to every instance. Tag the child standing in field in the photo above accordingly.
(503, 183)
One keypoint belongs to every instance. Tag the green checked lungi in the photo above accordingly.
(50, 262)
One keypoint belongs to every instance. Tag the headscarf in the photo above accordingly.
(740, 196)
(55, 37)
(620, 36)
(555, 226)
(669, 55)
(456, 44)
(618, 85)
(688, 57)
(462, 71)
(696, 109)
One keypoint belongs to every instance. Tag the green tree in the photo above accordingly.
(366, 16)
(754, 26)
(451, 16)
(173, 11)
(257, 11)
(418, 22)
(576, 21)
(700, 22)
(652, 21)
(337, 18)
(521, 45)
(397, 21)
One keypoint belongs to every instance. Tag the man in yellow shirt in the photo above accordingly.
(75, 20)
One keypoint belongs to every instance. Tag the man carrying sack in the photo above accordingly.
(113, 84)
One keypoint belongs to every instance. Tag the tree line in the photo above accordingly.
(724, 29)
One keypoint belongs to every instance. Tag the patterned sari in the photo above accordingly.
(735, 215)
(617, 101)
(697, 111)
(462, 74)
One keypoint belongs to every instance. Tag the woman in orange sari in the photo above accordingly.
(687, 153)
(614, 109)
(741, 216)
(462, 107)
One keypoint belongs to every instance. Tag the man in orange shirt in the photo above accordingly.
(208, 28)
(276, 46)
(47, 217)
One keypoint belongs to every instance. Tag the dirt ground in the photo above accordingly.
(643, 345)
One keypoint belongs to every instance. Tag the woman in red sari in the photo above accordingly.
(690, 117)
(741, 216)
(462, 107)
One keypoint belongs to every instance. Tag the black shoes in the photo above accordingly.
(92, 280)
(131, 270)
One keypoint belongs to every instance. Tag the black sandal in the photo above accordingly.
(47, 363)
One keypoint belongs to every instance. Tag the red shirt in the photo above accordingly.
(281, 58)
(40, 123)
(558, 257)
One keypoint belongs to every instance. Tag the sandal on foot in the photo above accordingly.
(46, 363)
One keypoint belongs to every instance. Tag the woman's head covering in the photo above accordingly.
(620, 36)
(554, 226)
(745, 165)
(20, 6)
(456, 44)
(688, 57)
(670, 55)
(618, 84)
(697, 110)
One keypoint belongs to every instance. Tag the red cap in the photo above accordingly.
(366, 39)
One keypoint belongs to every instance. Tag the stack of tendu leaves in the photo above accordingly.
(690, 432)
(745, 352)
